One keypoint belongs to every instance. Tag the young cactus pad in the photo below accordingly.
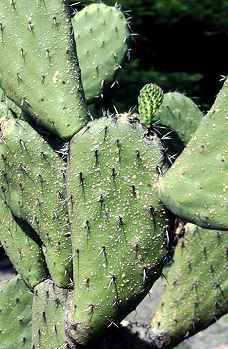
(101, 33)
(196, 186)
(32, 185)
(150, 99)
(48, 316)
(118, 224)
(39, 69)
(25, 254)
(197, 286)
(179, 113)
(15, 315)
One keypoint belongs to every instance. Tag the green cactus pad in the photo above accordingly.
(118, 224)
(196, 186)
(196, 294)
(150, 99)
(32, 177)
(15, 315)
(38, 68)
(48, 316)
(180, 114)
(25, 254)
(7, 107)
(101, 33)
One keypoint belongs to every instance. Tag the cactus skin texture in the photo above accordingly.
(32, 177)
(7, 107)
(15, 315)
(42, 74)
(149, 101)
(196, 186)
(179, 113)
(25, 254)
(101, 34)
(118, 224)
(48, 316)
(197, 287)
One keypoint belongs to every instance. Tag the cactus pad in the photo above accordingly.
(38, 67)
(196, 186)
(25, 254)
(48, 316)
(7, 107)
(197, 286)
(15, 315)
(180, 114)
(32, 177)
(150, 99)
(101, 33)
(118, 224)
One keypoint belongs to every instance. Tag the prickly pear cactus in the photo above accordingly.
(103, 201)
(25, 254)
(197, 287)
(102, 35)
(118, 224)
(150, 99)
(48, 311)
(196, 186)
(7, 107)
(32, 185)
(15, 315)
(179, 113)
(39, 69)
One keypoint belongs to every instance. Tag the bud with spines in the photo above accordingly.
(149, 101)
